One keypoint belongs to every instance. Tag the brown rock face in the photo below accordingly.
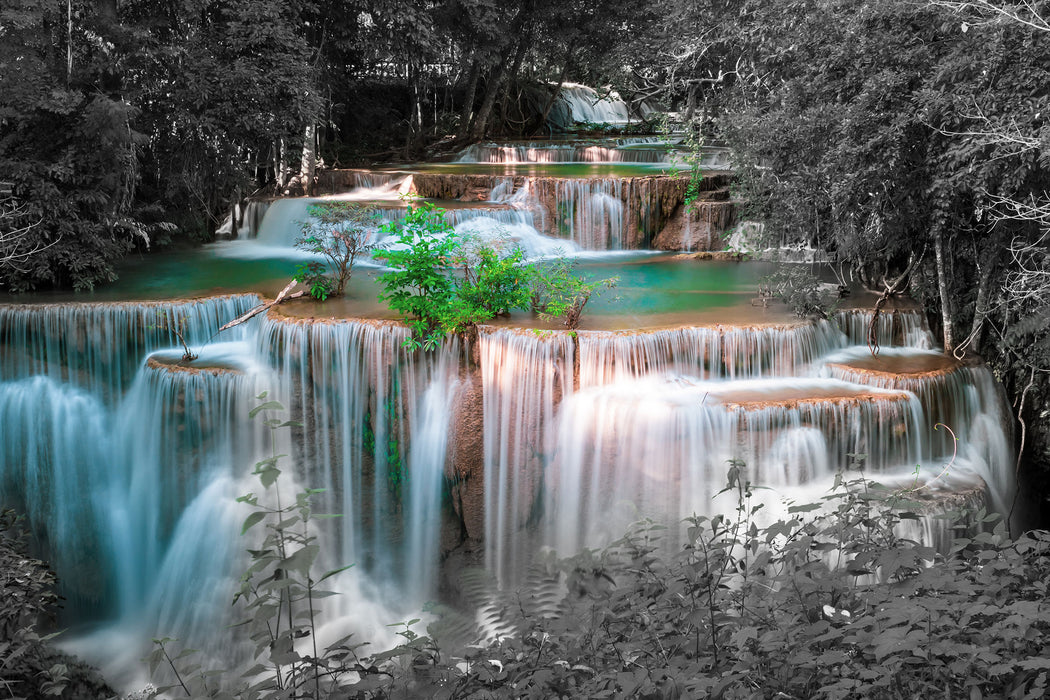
(654, 211)
(465, 468)
(700, 228)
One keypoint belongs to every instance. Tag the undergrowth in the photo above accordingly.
(833, 601)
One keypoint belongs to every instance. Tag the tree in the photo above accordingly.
(341, 232)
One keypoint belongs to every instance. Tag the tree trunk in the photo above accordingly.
(308, 167)
(477, 129)
(980, 310)
(495, 83)
(942, 289)
(468, 101)
(566, 66)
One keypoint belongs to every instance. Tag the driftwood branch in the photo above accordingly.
(284, 295)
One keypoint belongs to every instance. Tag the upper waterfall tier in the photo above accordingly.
(604, 213)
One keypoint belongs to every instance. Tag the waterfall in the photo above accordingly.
(179, 430)
(591, 212)
(579, 103)
(54, 437)
(895, 327)
(553, 152)
(523, 376)
(959, 402)
(715, 352)
(659, 448)
(98, 346)
(363, 400)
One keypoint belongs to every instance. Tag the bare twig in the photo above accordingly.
(1022, 12)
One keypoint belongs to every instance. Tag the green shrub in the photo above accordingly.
(444, 283)
(339, 231)
(558, 292)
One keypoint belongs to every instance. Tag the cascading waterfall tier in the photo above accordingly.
(505, 442)
(554, 152)
(706, 352)
(523, 376)
(577, 103)
(661, 448)
(98, 346)
(893, 327)
(960, 402)
(662, 413)
(375, 426)
(607, 213)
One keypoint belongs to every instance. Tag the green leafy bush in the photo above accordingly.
(444, 283)
(558, 292)
(341, 232)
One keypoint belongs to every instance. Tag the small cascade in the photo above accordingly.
(512, 222)
(98, 346)
(554, 152)
(524, 377)
(54, 436)
(661, 449)
(582, 104)
(366, 184)
(896, 327)
(251, 220)
(959, 402)
(363, 398)
(591, 213)
(718, 352)
(180, 427)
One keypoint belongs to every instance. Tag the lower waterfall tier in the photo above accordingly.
(490, 448)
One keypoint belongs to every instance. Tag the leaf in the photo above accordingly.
(252, 520)
(268, 406)
(333, 572)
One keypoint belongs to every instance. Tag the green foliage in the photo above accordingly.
(495, 282)
(315, 276)
(693, 157)
(420, 285)
(339, 231)
(445, 284)
(559, 292)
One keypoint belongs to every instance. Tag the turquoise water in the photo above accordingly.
(653, 289)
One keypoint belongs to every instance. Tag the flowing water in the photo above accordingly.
(127, 459)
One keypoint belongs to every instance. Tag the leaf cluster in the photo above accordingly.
(445, 283)
(831, 602)
(560, 292)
